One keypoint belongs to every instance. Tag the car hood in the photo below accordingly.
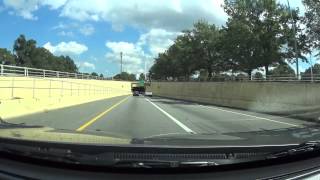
(255, 138)
(284, 136)
(48, 134)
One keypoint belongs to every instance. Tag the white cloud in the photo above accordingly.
(66, 33)
(68, 29)
(22, 8)
(132, 57)
(25, 8)
(173, 15)
(88, 65)
(66, 48)
(87, 30)
(60, 26)
(157, 40)
(54, 4)
(144, 50)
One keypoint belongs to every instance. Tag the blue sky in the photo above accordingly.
(93, 32)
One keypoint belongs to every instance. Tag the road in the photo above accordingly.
(138, 117)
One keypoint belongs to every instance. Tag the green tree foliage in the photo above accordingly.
(258, 76)
(164, 67)
(193, 50)
(141, 76)
(6, 57)
(312, 21)
(24, 49)
(207, 47)
(306, 75)
(258, 34)
(101, 75)
(261, 33)
(94, 74)
(282, 70)
(28, 54)
(240, 47)
(315, 69)
(125, 77)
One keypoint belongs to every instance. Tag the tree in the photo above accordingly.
(70, 66)
(193, 50)
(240, 47)
(23, 49)
(206, 46)
(312, 21)
(41, 58)
(94, 74)
(164, 67)
(282, 70)
(6, 57)
(294, 35)
(258, 76)
(28, 54)
(125, 77)
(307, 73)
(101, 75)
(262, 27)
(141, 76)
(315, 69)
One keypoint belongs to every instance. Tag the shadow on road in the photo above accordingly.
(171, 101)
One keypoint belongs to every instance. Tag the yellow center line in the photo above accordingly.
(81, 128)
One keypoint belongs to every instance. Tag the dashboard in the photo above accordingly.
(15, 168)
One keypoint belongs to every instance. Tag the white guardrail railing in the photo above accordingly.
(281, 78)
(44, 83)
(7, 70)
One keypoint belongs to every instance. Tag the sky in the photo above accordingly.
(94, 32)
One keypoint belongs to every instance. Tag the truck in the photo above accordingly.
(139, 88)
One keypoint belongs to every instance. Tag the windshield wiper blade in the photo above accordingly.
(305, 147)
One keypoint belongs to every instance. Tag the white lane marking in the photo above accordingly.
(172, 118)
(267, 119)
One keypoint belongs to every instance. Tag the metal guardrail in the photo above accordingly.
(282, 78)
(8, 70)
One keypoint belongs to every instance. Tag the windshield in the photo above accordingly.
(225, 73)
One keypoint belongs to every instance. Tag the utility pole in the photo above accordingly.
(295, 41)
(311, 70)
(145, 70)
(121, 62)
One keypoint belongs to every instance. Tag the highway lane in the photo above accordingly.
(137, 117)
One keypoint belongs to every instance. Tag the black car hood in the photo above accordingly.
(285, 136)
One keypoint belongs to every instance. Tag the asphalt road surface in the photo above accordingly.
(139, 116)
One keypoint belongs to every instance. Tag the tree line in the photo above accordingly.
(26, 53)
(129, 77)
(258, 35)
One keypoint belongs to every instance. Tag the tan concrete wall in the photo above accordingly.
(263, 97)
(32, 95)
(40, 88)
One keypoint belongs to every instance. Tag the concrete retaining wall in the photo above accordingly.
(34, 95)
(269, 97)
(39, 88)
